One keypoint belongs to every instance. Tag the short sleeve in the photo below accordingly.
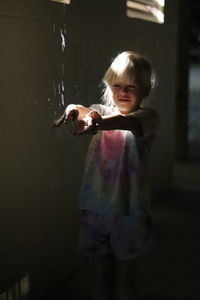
(103, 110)
(149, 120)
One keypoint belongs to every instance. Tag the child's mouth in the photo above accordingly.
(123, 100)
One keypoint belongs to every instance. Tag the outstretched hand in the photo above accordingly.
(87, 125)
(91, 121)
(71, 113)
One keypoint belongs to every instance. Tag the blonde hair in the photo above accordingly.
(128, 67)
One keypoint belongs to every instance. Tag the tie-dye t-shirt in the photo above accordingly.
(116, 179)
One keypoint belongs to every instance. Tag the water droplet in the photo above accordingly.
(62, 99)
(63, 85)
(59, 89)
(63, 44)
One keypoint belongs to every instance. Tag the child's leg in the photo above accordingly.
(127, 272)
(130, 240)
(102, 274)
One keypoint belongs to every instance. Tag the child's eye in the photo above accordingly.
(131, 87)
(126, 88)
(116, 86)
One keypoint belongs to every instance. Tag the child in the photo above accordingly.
(114, 201)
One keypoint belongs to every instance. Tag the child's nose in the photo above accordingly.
(124, 89)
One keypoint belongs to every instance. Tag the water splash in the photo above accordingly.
(58, 81)
(63, 43)
(62, 85)
(62, 100)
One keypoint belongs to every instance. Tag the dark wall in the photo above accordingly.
(37, 163)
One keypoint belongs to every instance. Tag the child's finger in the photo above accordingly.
(72, 114)
(58, 122)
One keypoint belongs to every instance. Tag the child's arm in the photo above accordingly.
(123, 122)
(143, 122)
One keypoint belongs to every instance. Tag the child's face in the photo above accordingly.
(126, 96)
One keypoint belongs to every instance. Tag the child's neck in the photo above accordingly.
(117, 111)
